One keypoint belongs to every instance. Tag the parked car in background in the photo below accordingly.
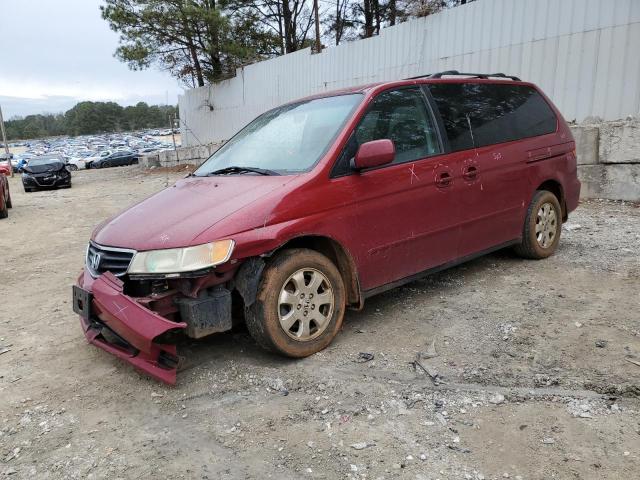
(5, 195)
(79, 162)
(116, 159)
(323, 202)
(95, 157)
(45, 172)
(6, 157)
(19, 164)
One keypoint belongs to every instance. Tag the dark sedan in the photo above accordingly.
(45, 172)
(116, 159)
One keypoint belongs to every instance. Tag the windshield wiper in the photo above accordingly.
(227, 170)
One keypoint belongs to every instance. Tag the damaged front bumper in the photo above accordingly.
(120, 325)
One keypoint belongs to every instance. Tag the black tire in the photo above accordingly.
(28, 190)
(72, 167)
(531, 247)
(9, 204)
(262, 317)
(4, 211)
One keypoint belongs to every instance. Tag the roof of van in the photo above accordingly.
(451, 77)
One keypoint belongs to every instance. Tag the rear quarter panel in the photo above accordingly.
(552, 157)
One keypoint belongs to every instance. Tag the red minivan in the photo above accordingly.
(322, 202)
(5, 196)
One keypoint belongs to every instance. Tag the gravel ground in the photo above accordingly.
(525, 368)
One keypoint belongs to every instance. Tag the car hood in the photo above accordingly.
(47, 167)
(176, 216)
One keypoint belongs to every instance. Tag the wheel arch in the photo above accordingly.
(555, 187)
(341, 258)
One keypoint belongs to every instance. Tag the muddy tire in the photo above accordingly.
(300, 304)
(542, 227)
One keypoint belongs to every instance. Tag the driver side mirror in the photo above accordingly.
(374, 154)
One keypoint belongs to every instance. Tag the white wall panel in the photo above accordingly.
(585, 54)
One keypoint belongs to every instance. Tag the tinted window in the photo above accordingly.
(398, 115)
(491, 113)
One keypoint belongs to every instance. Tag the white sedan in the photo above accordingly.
(80, 163)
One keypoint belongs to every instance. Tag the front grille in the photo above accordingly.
(108, 259)
(45, 180)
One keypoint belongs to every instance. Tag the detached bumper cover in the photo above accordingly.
(121, 326)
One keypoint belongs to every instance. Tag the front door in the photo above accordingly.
(403, 214)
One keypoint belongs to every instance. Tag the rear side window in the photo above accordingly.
(486, 114)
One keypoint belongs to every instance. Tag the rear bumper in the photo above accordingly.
(123, 327)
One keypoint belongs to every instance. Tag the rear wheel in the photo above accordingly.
(9, 204)
(4, 212)
(300, 304)
(542, 227)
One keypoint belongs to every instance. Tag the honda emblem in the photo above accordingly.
(95, 261)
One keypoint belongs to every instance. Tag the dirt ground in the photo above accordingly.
(534, 363)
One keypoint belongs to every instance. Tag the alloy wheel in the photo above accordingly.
(305, 304)
(546, 225)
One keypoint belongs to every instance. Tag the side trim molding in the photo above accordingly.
(439, 268)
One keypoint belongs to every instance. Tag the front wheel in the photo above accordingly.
(300, 304)
(72, 167)
(542, 227)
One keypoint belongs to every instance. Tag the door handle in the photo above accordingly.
(444, 179)
(470, 173)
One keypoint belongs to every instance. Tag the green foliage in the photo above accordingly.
(87, 118)
(196, 40)
(203, 41)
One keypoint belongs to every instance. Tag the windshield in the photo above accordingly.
(287, 139)
(43, 161)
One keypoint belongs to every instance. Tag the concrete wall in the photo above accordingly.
(182, 156)
(609, 159)
(583, 53)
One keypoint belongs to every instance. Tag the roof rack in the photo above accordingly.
(475, 75)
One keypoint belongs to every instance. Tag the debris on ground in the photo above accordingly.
(433, 374)
(362, 445)
(635, 362)
(364, 357)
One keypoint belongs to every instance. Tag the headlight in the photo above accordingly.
(178, 260)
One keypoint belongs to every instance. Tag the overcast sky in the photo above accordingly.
(54, 53)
